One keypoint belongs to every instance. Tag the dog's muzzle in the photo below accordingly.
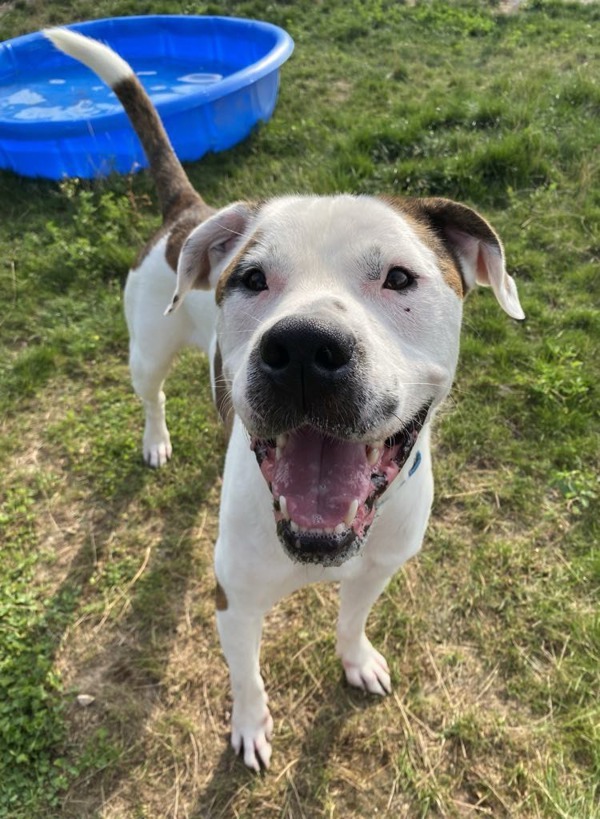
(313, 439)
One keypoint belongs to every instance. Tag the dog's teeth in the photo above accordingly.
(294, 526)
(373, 454)
(340, 528)
(351, 513)
(283, 507)
(328, 530)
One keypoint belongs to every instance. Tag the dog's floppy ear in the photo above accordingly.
(476, 247)
(208, 247)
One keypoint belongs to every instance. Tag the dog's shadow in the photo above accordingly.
(304, 790)
(124, 664)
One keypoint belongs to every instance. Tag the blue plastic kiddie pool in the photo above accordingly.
(211, 78)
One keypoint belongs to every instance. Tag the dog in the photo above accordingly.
(332, 328)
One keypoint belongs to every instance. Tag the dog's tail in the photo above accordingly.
(175, 192)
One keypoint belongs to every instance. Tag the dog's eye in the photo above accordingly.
(398, 278)
(254, 280)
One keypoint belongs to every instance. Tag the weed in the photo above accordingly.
(579, 488)
(561, 379)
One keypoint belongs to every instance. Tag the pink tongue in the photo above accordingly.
(320, 477)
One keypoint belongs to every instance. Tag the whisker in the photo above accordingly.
(229, 230)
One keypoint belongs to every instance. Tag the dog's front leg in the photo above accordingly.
(251, 721)
(363, 665)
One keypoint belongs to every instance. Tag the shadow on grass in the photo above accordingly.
(305, 789)
(229, 777)
(124, 665)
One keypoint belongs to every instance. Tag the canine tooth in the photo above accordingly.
(351, 513)
(339, 529)
(373, 454)
(282, 440)
(294, 526)
(283, 507)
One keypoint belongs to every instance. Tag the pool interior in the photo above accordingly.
(72, 92)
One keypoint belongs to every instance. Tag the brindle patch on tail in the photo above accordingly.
(182, 207)
(175, 191)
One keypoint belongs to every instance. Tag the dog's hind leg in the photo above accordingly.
(154, 340)
(363, 665)
(147, 375)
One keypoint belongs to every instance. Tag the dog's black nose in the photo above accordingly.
(307, 357)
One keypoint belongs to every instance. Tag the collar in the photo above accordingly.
(415, 465)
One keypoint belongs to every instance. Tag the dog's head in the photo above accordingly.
(338, 330)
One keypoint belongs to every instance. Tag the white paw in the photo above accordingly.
(157, 441)
(367, 669)
(252, 737)
(157, 453)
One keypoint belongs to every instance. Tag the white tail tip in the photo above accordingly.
(102, 60)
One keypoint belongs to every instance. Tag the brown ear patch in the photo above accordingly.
(446, 214)
(417, 215)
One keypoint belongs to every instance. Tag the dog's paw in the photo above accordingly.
(368, 669)
(157, 449)
(251, 738)
(158, 454)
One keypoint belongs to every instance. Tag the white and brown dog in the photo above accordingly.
(332, 324)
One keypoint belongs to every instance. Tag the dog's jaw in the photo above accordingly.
(326, 490)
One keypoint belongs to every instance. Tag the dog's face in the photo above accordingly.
(338, 330)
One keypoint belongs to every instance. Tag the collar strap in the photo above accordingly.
(415, 465)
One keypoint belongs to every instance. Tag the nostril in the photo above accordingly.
(332, 357)
(274, 354)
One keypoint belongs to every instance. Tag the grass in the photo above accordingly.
(105, 567)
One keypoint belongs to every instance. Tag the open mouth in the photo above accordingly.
(325, 489)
